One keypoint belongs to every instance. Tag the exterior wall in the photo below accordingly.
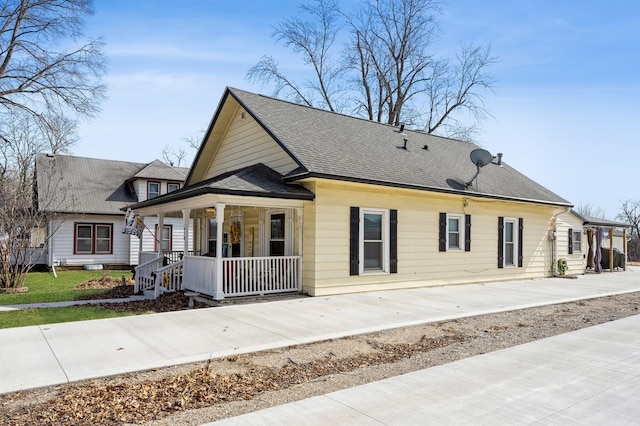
(125, 247)
(246, 144)
(577, 261)
(148, 239)
(141, 187)
(62, 242)
(326, 239)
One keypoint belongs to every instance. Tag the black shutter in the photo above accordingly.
(500, 242)
(467, 232)
(443, 232)
(354, 242)
(570, 241)
(393, 244)
(520, 233)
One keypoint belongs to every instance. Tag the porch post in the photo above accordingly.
(218, 293)
(624, 247)
(299, 216)
(158, 231)
(140, 246)
(185, 224)
(610, 249)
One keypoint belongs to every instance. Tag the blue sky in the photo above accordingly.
(565, 106)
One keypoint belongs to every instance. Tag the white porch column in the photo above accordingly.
(218, 294)
(299, 213)
(140, 246)
(185, 223)
(158, 234)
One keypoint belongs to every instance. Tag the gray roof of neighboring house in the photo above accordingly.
(336, 146)
(93, 186)
(256, 180)
(598, 221)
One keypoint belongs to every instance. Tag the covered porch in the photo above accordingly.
(246, 241)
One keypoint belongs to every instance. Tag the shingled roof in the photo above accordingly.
(69, 184)
(337, 146)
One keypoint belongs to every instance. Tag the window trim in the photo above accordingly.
(94, 238)
(282, 213)
(515, 242)
(173, 183)
(461, 232)
(149, 183)
(385, 234)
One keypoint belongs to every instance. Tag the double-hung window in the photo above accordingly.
(510, 247)
(153, 190)
(213, 236)
(172, 187)
(93, 238)
(455, 232)
(374, 240)
(575, 241)
(277, 235)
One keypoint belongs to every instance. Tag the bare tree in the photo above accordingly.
(630, 213)
(388, 72)
(591, 210)
(313, 40)
(48, 81)
(173, 156)
(37, 75)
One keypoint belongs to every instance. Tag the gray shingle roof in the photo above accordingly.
(256, 180)
(337, 146)
(93, 186)
(598, 221)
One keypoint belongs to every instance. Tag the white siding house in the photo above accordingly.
(85, 217)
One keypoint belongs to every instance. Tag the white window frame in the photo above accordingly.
(515, 223)
(385, 241)
(577, 242)
(149, 197)
(461, 229)
(174, 184)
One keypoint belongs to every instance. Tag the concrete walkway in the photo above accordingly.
(52, 354)
(4, 308)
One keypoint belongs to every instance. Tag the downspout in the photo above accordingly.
(553, 239)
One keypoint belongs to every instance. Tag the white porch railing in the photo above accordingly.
(243, 276)
(200, 274)
(250, 276)
(145, 274)
(168, 279)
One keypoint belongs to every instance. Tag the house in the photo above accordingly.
(286, 197)
(613, 238)
(84, 200)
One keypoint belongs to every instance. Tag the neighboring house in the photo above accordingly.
(614, 236)
(85, 200)
(297, 198)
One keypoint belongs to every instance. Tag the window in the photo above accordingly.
(509, 242)
(93, 238)
(373, 241)
(213, 236)
(153, 190)
(165, 237)
(173, 187)
(510, 232)
(276, 238)
(455, 232)
(575, 241)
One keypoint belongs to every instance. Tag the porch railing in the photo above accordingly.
(247, 276)
(176, 256)
(145, 274)
(146, 256)
(168, 279)
(200, 274)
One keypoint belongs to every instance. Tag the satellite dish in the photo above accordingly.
(480, 157)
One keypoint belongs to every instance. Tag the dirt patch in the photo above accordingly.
(117, 287)
(205, 392)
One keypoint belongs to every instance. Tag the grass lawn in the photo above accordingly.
(44, 287)
(25, 317)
